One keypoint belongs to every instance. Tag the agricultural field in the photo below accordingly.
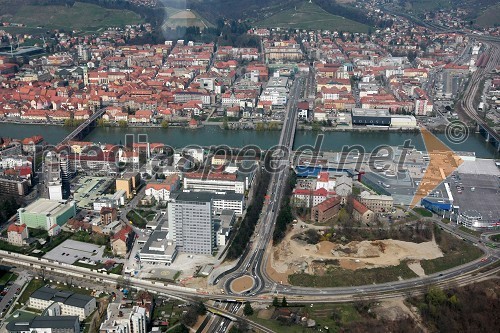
(311, 16)
(81, 16)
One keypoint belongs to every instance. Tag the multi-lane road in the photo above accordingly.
(252, 264)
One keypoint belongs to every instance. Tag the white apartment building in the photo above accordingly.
(214, 182)
(71, 304)
(124, 320)
(8, 162)
(228, 201)
(190, 222)
(375, 202)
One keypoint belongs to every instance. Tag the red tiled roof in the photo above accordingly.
(329, 203)
(16, 228)
(359, 207)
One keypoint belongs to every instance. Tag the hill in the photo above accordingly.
(490, 17)
(311, 16)
(80, 16)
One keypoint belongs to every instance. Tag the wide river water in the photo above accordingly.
(214, 135)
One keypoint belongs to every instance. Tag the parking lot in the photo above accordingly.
(478, 193)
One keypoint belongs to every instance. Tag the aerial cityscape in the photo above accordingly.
(264, 166)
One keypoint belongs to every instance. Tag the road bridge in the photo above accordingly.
(84, 128)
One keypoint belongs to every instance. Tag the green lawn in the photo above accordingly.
(311, 16)
(470, 231)
(495, 238)
(136, 219)
(6, 277)
(334, 316)
(277, 327)
(456, 252)
(170, 308)
(339, 277)
(33, 285)
(322, 313)
(423, 212)
(81, 16)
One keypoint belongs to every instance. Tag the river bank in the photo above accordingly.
(179, 137)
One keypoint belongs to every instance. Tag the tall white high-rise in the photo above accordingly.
(190, 222)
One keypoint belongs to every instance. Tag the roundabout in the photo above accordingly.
(242, 284)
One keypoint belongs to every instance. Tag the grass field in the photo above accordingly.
(311, 16)
(277, 327)
(184, 18)
(423, 212)
(490, 17)
(33, 285)
(81, 16)
(322, 313)
(5, 277)
(136, 219)
(456, 252)
(339, 277)
(470, 231)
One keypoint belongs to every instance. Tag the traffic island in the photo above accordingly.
(242, 284)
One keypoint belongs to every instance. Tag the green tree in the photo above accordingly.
(276, 302)
(225, 124)
(284, 303)
(435, 296)
(248, 310)
(123, 123)
(316, 127)
(201, 310)
(164, 124)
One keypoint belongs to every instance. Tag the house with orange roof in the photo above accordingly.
(161, 191)
(326, 210)
(17, 234)
(361, 213)
(121, 241)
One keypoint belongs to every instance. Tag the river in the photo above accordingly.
(214, 135)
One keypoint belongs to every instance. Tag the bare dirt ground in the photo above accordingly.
(242, 284)
(293, 256)
(395, 309)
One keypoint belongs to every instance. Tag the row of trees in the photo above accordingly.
(285, 215)
(8, 207)
(247, 226)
